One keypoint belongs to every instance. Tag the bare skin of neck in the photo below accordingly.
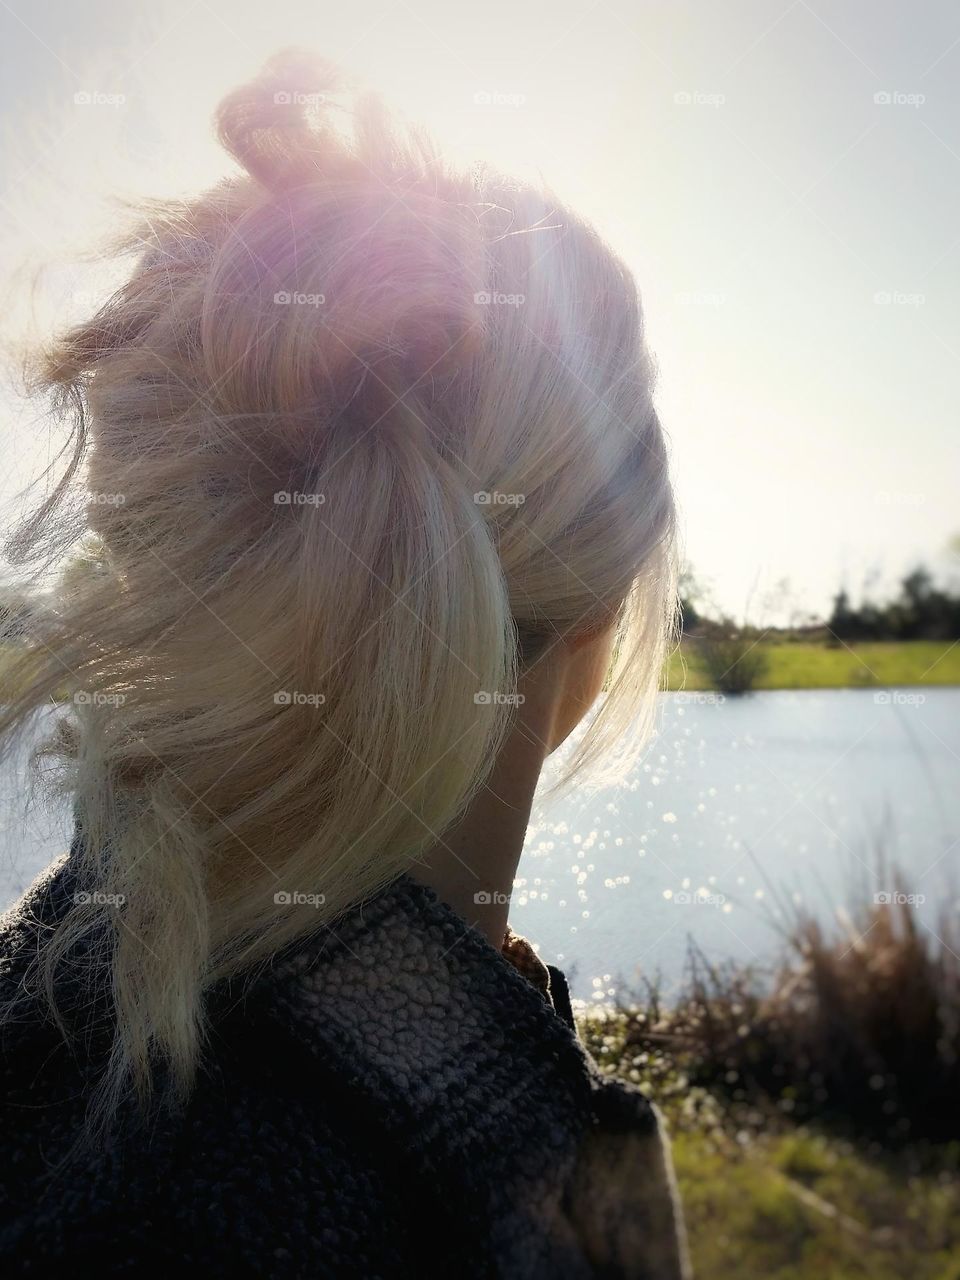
(472, 868)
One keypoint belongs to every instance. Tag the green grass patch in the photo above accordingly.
(748, 1216)
(767, 1199)
(799, 665)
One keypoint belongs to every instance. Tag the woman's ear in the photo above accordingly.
(583, 635)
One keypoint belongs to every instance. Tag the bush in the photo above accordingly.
(859, 1027)
(732, 657)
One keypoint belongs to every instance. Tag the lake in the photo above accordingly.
(740, 806)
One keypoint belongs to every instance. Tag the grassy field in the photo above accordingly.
(814, 666)
(801, 1205)
(765, 1199)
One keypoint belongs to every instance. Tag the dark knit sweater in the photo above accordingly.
(394, 1098)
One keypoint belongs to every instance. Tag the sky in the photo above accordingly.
(782, 177)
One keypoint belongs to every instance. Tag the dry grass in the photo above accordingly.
(858, 1026)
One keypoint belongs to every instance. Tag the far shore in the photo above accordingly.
(806, 665)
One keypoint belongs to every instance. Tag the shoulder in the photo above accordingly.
(273, 1168)
(278, 1164)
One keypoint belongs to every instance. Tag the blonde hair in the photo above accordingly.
(359, 437)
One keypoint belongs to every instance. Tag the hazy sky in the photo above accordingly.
(796, 238)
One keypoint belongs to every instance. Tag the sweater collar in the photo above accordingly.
(467, 1064)
(425, 1012)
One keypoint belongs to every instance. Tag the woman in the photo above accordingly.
(378, 491)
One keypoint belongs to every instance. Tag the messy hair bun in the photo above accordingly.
(281, 127)
(362, 435)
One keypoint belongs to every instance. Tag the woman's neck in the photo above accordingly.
(473, 867)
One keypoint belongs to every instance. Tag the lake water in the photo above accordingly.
(784, 795)
(779, 794)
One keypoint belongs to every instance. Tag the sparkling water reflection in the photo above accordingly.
(739, 807)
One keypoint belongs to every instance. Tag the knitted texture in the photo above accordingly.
(392, 1098)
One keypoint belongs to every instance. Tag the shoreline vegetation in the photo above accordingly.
(911, 639)
(814, 1105)
(804, 664)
